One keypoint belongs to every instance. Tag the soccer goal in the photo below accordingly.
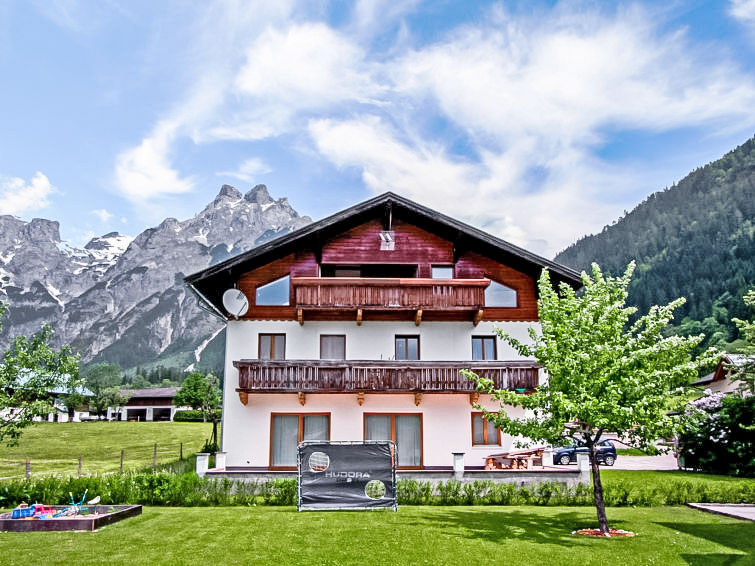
(347, 475)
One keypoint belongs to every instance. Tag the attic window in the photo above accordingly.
(500, 295)
(387, 240)
(275, 293)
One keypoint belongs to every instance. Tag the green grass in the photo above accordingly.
(54, 448)
(666, 536)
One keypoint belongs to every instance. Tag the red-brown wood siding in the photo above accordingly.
(413, 246)
(473, 265)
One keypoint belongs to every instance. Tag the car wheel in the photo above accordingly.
(609, 460)
(564, 460)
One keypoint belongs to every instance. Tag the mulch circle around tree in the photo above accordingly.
(600, 534)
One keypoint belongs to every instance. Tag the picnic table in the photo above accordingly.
(515, 460)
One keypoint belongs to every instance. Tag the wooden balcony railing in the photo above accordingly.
(339, 376)
(388, 293)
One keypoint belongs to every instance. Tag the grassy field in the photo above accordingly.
(54, 448)
(666, 536)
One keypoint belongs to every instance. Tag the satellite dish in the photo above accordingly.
(235, 302)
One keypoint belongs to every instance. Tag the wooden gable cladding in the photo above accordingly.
(300, 264)
(413, 245)
(473, 265)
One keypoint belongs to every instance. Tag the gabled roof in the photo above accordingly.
(210, 283)
(166, 392)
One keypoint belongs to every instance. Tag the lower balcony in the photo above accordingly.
(363, 376)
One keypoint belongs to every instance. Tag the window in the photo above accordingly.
(272, 347)
(484, 432)
(483, 348)
(332, 347)
(407, 347)
(288, 430)
(404, 429)
(443, 272)
(275, 293)
(499, 295)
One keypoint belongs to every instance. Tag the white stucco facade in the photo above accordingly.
(446, 417)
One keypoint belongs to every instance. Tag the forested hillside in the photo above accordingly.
(695, 239)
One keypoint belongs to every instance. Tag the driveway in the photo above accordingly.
(662, 462)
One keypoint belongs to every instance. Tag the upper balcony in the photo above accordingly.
(365, 376)
(389, 294)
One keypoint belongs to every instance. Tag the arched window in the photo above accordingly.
(499, 295)
(275, 293)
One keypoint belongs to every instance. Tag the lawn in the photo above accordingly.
(54, 448)
(415, 535)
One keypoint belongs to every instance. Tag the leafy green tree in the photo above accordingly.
(140, 382)
(98, 379)
(605, 374)
(201, 393)
(746, 373)
(29, 370)
(115, 398)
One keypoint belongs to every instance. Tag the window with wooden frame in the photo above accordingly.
(287, 430)
(484, 432)
(272, 347)
(275, 293)
(442, 271)
(332, 346)
(500, 295)
(405, 429)
(484, 348)
(407, 347)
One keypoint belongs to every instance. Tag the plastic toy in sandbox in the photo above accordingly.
(73, 517)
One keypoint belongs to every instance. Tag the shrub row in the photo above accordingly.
(165, 488)
(191, 416)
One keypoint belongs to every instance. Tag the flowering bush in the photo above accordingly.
(719, 435)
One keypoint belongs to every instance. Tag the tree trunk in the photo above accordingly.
(597, 487)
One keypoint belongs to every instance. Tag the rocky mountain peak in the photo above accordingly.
(41, 229)
(259, 195)
(227, 192)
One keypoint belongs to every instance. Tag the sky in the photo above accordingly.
(536, 121)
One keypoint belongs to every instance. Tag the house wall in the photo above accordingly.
(446, 418)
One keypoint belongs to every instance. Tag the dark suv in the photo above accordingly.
(568, 454)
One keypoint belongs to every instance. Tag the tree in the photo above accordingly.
(113, 397)
(745, 374)
(200, 392)
(29, 371)
(605, 374)
(98, 379)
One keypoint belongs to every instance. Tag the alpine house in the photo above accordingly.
(355, 328)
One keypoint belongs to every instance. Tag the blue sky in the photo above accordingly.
(537, 121)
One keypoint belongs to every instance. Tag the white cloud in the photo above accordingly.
(743, 10)
(537, 94)
(248, 169)
(144, 172)
(102, 214)
(19, 197)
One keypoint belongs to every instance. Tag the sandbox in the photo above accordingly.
(99, 516)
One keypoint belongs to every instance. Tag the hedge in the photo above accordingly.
(191, 416)
(187, 489)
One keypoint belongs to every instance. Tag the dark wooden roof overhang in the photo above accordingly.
(209, 284)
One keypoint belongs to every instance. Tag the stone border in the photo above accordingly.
(108, 514)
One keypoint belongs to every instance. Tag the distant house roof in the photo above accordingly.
(723, 369)
(166, 392)
(210, 283)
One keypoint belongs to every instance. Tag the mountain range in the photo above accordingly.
(122, 300)
(695, 239)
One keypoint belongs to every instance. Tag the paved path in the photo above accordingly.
(662, 462)
(737, 510)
